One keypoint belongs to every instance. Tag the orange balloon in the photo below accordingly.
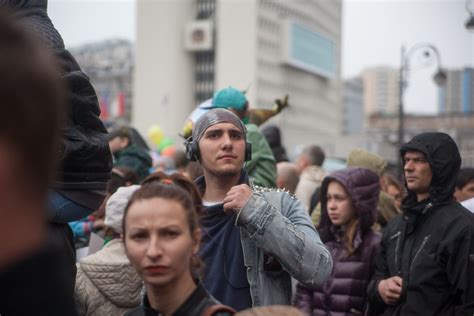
(168, 151)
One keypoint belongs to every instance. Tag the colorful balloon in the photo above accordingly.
(165, 142)
(156, 135)
(169, 151)
(194, 116)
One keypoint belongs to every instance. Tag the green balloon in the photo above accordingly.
(165, 142)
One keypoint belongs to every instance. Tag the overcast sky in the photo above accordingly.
(373, 32)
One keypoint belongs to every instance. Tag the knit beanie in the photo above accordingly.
(115, 207)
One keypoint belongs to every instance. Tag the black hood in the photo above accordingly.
(15, 5)
(442, 154)
(33, 14)
(85, 156)
(273, 137)
(272, 134)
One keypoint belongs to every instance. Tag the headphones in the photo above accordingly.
(193, 154)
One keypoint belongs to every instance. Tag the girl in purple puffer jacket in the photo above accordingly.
(348, 210)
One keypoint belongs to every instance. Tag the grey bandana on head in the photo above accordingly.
(213, 117)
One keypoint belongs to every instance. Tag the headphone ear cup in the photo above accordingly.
(195, 149)
(248, 151)
(190, 151)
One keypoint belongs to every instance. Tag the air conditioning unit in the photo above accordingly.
(199, 36)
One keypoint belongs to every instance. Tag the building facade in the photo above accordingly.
(457, 96)
(353, 106)
(382, 132)
(381, 90)
(109, 65)
(187, 49)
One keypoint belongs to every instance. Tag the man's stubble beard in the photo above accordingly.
(224, 173)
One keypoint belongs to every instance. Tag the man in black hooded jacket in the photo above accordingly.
(426, 262)
(84, 156)
(36, 276)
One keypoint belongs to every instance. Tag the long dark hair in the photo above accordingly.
(351, 228)
(174, 187)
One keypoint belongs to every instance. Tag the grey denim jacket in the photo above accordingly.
(274, 222)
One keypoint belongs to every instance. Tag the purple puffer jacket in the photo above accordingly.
(344, 293)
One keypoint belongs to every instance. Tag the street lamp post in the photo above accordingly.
(470, 21)
(426, 53)
(401, 116)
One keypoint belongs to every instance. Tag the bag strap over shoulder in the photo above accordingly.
(211, 310)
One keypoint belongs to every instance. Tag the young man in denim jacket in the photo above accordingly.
(254, 239)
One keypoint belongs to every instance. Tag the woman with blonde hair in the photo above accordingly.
(394, 188)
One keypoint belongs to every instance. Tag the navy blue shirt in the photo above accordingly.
(225, 275)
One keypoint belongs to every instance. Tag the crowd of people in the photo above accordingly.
(228, 225)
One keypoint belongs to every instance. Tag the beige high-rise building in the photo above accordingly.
(381, 90)
(187, 49)
(458, 93)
